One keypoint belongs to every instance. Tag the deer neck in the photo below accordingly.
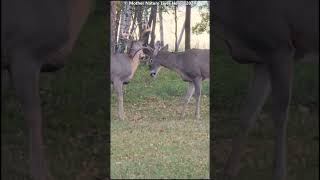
(135, 61)
(169, 61)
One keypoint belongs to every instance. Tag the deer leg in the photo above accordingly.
(197, 85)
(25, 73)
(118, 86)
(259, 89)
(187, 99)
(281, 75)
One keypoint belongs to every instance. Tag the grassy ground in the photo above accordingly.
(74, 114)
(229, 90)
(153, 142)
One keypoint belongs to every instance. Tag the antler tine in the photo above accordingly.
(127, 36)
(145, 32)
(135, 25)
(149, 50)
(146, 28)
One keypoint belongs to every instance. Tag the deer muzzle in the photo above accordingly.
(153, 73)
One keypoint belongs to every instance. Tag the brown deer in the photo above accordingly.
(192, 65)
(270, 35)
(37, 35)
(123, 67)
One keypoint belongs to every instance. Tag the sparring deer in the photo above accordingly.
(192, 65)
(37, 35)
(124, 65)
(270, 35)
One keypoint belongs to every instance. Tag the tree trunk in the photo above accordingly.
(181, 34)
(124, 25)
(139, 12)
(134, 11)
(161, 26)
(153, 13)
(113, 27)
(117, 21)
(153, 37)
(145, 14)
(175, 29)
(187, 27)
(151, 16)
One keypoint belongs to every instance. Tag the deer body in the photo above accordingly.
(37, 36)
(123, 67)
(193, 67)
(189, 64)
(270, 35)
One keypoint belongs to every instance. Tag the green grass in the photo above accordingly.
(153, 142)
(74, 114)
(229, 90)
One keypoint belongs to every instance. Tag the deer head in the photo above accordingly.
(155, 64)
(134, 46)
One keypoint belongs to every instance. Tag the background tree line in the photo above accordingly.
(132, 19)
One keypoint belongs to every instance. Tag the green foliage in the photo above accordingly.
(204, 25)
(165, 9)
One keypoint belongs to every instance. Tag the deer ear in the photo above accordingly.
(148, 50)
(165, 48)
(157, 45)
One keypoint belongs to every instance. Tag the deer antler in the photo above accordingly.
(146, 27)
(145, 33)
(157, 47)
(126, 35)
(148, 48)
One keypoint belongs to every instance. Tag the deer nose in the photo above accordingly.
(153, 74)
